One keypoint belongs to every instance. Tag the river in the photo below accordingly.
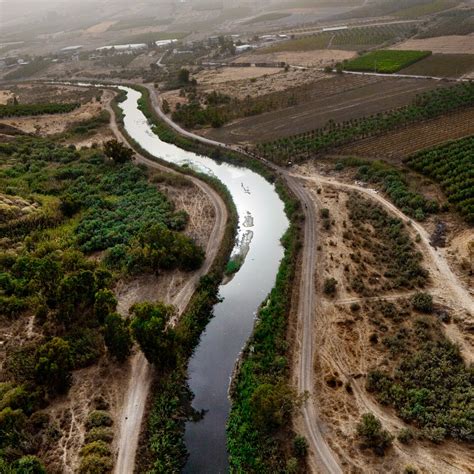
(262, 223)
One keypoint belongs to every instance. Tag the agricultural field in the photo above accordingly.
(356, 39)
(453, 22)
(424, 9)
(337, 98)
(400, 8)
(451, 165)
(443, 65)
(425, 106)
(399, 144)
(82, 115)
(453, 44)
(385, 61)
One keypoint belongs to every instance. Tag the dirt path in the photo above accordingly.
(322, 457)
(141, 371)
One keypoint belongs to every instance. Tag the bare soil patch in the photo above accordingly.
(226, 74)
(317, 58)
(264, 84)
(402, 143)
(339, 98)
(440, 44)
(101, 27)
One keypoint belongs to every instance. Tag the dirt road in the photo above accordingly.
(323, 459)
(141, 371)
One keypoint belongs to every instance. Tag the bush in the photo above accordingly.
(99, 434)
(372, 435)
(54, 365)
(330, 286)
(94, 464)
(100, 448)
(98, 418)
(29, 465)
(422, 302)
(300, 446)
(405, 436)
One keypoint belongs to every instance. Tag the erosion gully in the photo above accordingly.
(262, 223)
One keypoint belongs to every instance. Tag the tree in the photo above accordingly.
(183, 76)
(330, 285)
(117, 151)
(117, 337)
(29, 465)
(372, 435)
(151, 331)
(104, 304)
(271, 405)
(53, 365)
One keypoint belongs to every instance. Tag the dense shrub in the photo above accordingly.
(422, 302)
(372, 435)
(431, 388)
(98, 418)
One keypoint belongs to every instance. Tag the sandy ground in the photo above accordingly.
(268, 83)
(225, 74)
(5, 96)
(440, 44)
(318, 58)
(344, 354)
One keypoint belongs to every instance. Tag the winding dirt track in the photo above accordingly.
(141, 373)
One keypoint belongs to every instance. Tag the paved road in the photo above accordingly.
(141, 373)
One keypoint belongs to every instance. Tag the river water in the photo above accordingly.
(262, 222)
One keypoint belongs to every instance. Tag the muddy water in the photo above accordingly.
(262, 222)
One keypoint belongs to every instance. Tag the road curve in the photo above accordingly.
(324, 460)
(141, 373)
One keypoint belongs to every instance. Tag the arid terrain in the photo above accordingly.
(345, 325)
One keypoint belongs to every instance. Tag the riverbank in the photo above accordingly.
(161, 440)
(265, 360)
